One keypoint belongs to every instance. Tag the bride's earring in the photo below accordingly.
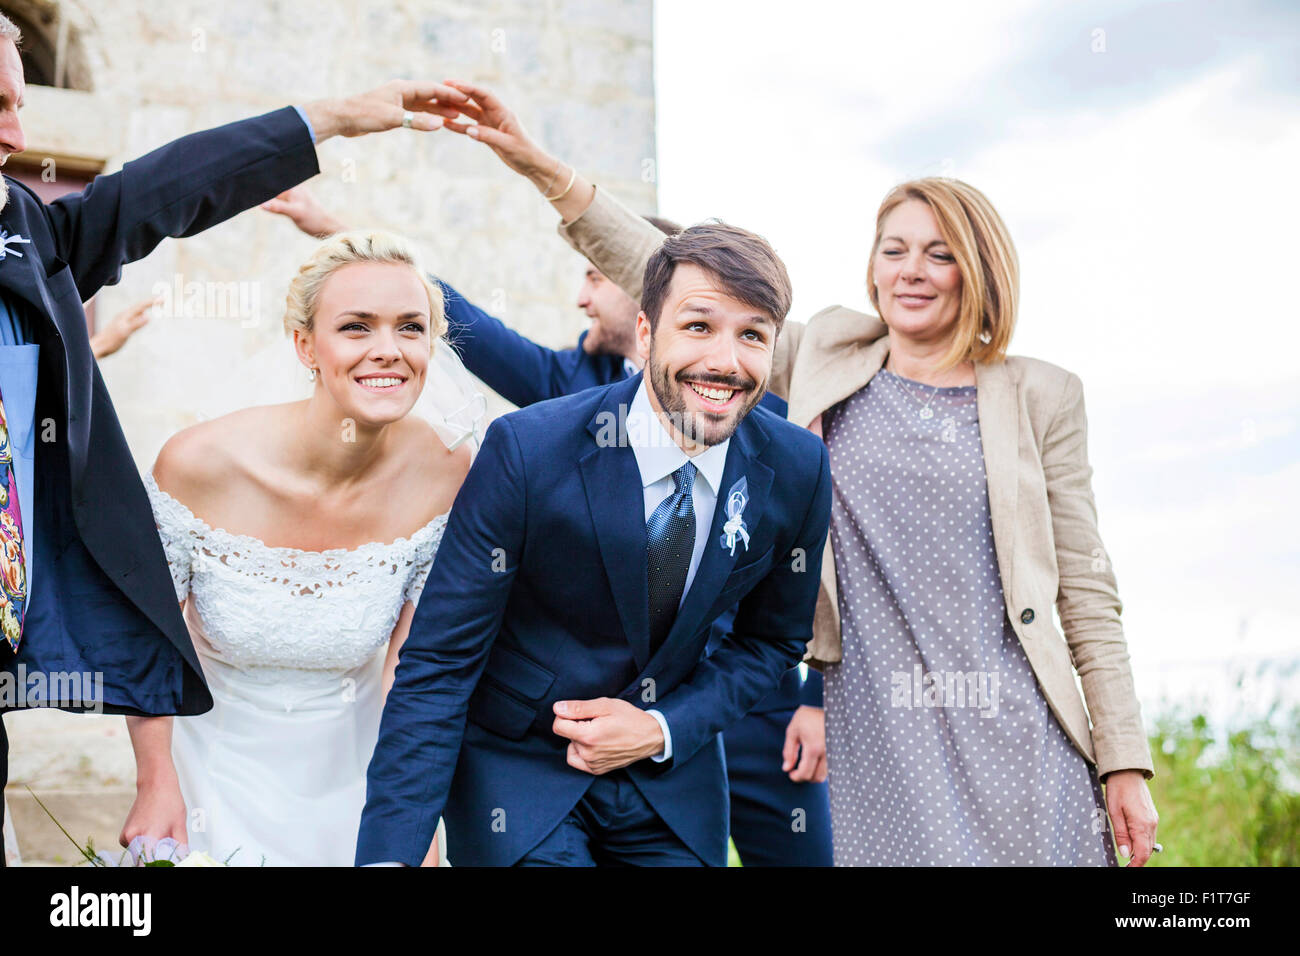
(311, 374)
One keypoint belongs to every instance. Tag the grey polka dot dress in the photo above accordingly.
(942, 749)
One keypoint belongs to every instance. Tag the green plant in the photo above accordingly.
(1227, 798)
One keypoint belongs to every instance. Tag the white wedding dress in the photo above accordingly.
(292, 644)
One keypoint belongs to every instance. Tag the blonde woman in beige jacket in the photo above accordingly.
(963, 515)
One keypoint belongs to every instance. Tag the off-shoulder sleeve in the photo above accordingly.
(422, 561)
(178, 529)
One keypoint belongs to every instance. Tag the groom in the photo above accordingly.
(553, 700)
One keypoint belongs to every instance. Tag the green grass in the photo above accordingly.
(1227, 799)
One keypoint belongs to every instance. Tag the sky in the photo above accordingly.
(1144, 157)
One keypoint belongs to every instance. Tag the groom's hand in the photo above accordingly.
(606, 734)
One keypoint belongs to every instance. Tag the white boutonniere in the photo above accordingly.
(6, 239)
(734, 508)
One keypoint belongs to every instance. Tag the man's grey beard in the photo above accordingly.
(4, 190)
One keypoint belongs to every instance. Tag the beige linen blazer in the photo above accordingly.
(1034, 435)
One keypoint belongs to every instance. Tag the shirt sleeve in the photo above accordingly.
(306, 122)
(667, 753)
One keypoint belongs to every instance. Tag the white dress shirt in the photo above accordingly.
(657, 457)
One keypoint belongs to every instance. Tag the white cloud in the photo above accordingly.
(1157, 238)
(1166, 237)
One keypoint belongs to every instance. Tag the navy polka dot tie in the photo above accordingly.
(670, 541)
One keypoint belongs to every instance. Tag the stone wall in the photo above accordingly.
(579, 73)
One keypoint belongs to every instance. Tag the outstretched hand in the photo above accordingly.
(121, 327)
(480, 114)
(382, 108)
(303, 209)
(496, 126)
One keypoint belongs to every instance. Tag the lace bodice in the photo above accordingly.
(276, 608)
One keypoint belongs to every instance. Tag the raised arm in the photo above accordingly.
(612, 237)
(615, 239)
(205, 178)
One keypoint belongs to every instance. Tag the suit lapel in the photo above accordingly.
(25, 278)
(612, 482)
(21, 270)
(1000, 437)
(843, 359)
(717, 562)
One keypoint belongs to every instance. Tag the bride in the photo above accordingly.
(299, 536)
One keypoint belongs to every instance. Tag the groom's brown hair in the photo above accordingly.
(743, 264)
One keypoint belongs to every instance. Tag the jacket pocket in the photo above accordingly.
(59, 280)
(509, 676)
(500, 713)
(746, 576)
(518, 673)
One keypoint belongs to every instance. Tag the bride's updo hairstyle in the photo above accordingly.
(345, 248)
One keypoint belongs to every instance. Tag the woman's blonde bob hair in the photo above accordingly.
(985, 257)
(343, 249)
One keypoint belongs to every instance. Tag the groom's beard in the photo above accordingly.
(4, 191)
(695, 426)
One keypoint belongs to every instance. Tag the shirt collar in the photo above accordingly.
(657, 455)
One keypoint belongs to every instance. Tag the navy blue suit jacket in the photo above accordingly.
(524, 372)
(539, 595)
(104, 601)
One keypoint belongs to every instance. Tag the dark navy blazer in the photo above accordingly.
(523, 372)
(104, 601)
(539, 595)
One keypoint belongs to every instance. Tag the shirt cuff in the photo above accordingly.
(668, 738)
(810, 692)
(306, 122)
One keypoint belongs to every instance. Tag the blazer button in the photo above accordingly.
(1027, 616)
